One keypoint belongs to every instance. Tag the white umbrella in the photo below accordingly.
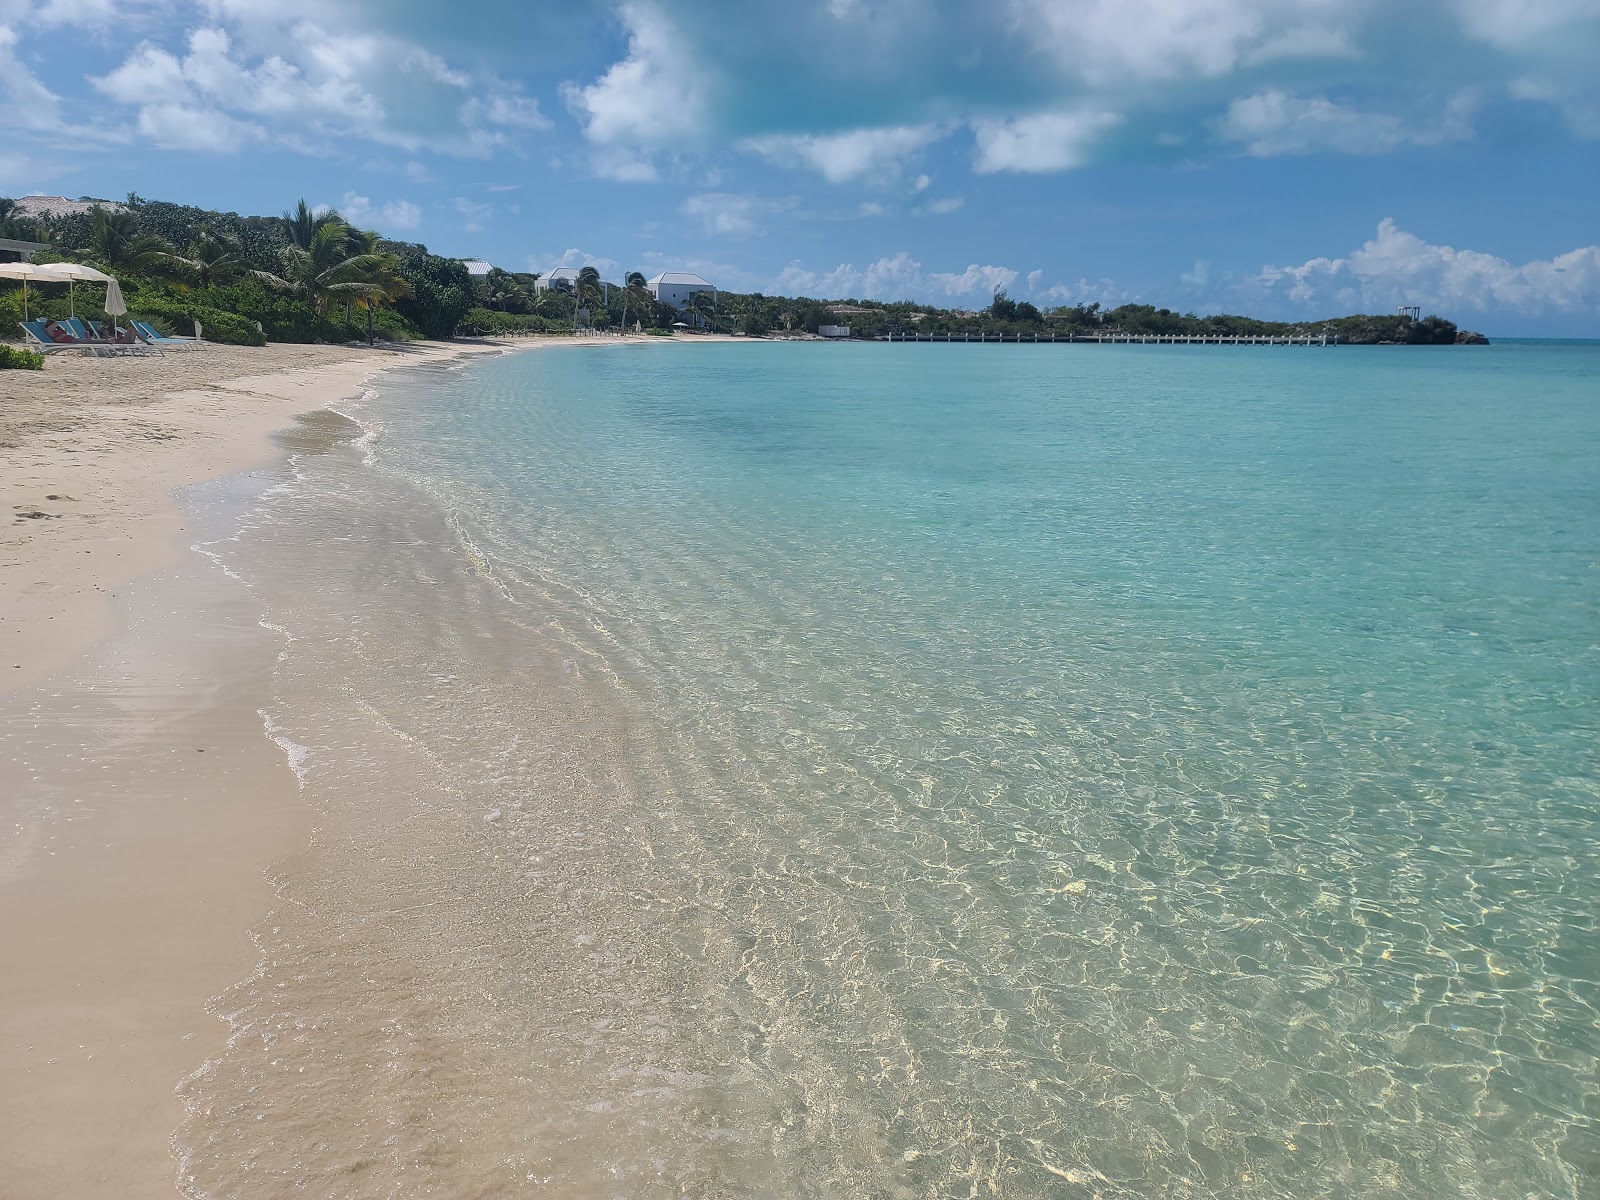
(25, 271)
(72, 272)
(115, 304)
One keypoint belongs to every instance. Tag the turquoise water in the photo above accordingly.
(1082, 771)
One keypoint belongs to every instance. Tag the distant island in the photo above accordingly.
(312, 276)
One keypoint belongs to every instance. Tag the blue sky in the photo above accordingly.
(1290, 158)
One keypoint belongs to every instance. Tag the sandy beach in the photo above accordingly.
(141, 801)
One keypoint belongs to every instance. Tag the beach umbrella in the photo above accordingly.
(115, 304)
(72, 272)
(25, 271)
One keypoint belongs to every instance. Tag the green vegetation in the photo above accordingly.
(310, 276)
(22, 360)
(306, 276)
(755, 314)
(484, 322)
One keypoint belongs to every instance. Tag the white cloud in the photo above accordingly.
(941, 207)
(872, 154)
(1274, 122)
(1120, 42)
(25, 103)
(396, 214)
(898, 278)
(723, 215)
(654, 97)
(366, 85)
(1397, 267)
(573, 257)
(1052, 141)
(513, 112)
(192, 127)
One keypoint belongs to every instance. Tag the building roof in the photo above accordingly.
(563, 273)
(476, 267)
(679, 279)
(23, 250)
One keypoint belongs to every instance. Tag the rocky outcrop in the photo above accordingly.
(1466, 337)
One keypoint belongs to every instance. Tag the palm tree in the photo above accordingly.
(212, 259)
(703, 305)
(586, 292)
(501, 290)
(325, 271)
(303, 223)
(384, 284)
(115, 240)
(635, 294)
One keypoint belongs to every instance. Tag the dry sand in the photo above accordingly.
(140, 802)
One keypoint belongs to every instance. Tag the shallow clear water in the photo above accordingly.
(1148, 771)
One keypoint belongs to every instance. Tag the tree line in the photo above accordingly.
(308, 275)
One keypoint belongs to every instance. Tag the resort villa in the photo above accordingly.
(561, 277)
(676, 287)
(673, 288)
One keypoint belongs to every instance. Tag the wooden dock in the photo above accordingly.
(1116, 339)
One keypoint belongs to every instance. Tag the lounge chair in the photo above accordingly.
(45, 344)
(154, 337)
(95, 332)
(78, 329)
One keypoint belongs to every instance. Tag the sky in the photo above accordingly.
(1284, 158)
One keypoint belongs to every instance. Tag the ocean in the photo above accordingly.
(886, 770)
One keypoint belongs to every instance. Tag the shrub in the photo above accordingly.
(443, 292)
(22, 360)
(486, 322)
(224, 327)
(11, 316)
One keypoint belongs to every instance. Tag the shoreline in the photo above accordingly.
(144, 800)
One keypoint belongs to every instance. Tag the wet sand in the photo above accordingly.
(140, 802)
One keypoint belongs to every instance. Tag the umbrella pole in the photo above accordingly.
(72, 296)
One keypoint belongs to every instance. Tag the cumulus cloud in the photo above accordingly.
(216, 96)
(393, 215)
(1396, 267)
(1047, 85)
(654, 97)
(25, 103)
(721, 214)
(900, 277)
(573, 257)
(1274, 122)
(1144, 41)
(1053, 141)
(857, 154)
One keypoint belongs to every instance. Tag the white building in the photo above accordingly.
(476, 267)
(675, 287)
(567, 276)
(833, 331)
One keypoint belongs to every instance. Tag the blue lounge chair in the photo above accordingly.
(151, 335)
(45, 344)
(95, 332)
